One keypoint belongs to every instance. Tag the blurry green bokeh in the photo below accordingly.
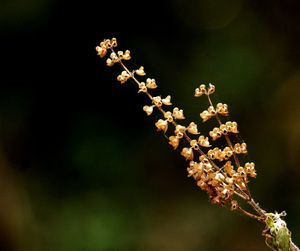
(83, 168)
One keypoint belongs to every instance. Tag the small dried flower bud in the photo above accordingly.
(180, 130)
(211, 89)
(234, 205)
(157, 101)
(123, 77)
(213, 153)
(113, 42)
(151, 84)
(203, 141)
(142, 87)
(195, 169)
(174, 141)
(178, 114)
(109, 62)
(168, 116)
(215, 133)
(213, 181)
(227, 153)
(229, 181)
(219, 177)
(192, 128)
(192, 164)
(229, 168)
(241, 170)
(101, 51)
(125, 74)
(240, 184)
(203, 89)
(234, 127)
(205, 162)
(216, 153)
(237, 148)
(103, 44)
(224, 129)
(194, 144)
(162, 125)
(205, 115)
(191, 170)
(240, 148)
(167, 100)
(244, 148)
(188, 153)
(211, 110)
(126, 55)
(108, 43)
(198, 93)
(250, 169)
(140, 71)
(202, 184)
(225, 193)
(148, 109)
(222, 109)
(120, 54)
(114, 56)
(231, 127)
(198, 167)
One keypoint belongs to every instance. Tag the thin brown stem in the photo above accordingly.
(256, 207)
(253, 216)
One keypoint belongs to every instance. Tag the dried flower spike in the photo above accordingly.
(219, 172)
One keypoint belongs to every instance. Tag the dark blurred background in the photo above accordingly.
(82, 168)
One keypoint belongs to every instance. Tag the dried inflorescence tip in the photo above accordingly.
(105, 45)
(217, 171)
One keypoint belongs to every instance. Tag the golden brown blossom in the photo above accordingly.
(140, 71)
(123, 77)
(162, 125)
(151, 83)
(187, 153)
(167, 100)
(222, 109)
(192, 128)
(203, 141)
(180, 130)
(148, 109)
(178, 114)
(174, 141)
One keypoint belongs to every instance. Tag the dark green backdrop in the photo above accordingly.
(82, 168)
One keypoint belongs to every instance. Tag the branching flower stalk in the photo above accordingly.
(217, 171)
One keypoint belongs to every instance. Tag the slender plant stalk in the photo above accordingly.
(225, 182)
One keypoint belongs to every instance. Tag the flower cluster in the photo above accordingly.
(206, 163)
(105, 45)
(219, 172)
(217, 184)
(223, 129)
(203, 90)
